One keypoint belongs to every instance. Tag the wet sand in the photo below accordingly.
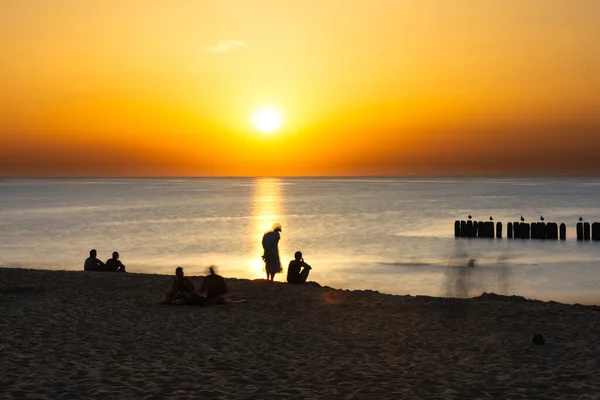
(73, 335)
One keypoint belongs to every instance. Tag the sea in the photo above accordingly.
(393, 235)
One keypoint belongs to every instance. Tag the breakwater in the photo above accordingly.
(524, 230)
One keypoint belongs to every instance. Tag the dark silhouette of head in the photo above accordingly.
(298, 255)
(179, 272)
(115, 255)
(277, 227)
(93, 253)
(211, 270)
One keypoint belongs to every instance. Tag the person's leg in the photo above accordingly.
(303, 275)
(194, 299)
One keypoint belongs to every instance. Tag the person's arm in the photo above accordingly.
(305, 265)
(191, 286)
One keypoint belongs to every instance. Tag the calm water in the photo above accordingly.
(391, 235)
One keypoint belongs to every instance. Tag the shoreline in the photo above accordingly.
(76, 334)
(484, 295)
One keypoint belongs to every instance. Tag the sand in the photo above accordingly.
(74, 335)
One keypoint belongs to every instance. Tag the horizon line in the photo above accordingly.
(405, 176)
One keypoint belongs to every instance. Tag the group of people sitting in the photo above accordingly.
(92, 263)
(212, 290)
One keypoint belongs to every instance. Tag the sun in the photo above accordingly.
(267, 120)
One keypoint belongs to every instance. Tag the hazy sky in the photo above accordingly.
(119, 87)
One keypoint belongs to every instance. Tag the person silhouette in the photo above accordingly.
(270, 256)
(113, 264)
(298, 270)
(92, 263)
(181, 288)
(214, 288)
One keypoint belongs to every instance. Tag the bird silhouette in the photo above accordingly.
(522, 219)
(580, 218)
(491, 219)
(470, 217)
(541, 217)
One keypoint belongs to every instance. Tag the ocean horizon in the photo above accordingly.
(391, 234)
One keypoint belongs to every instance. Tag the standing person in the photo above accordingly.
(270, 242)
(92, 263)
(114, 265)
(294, 275)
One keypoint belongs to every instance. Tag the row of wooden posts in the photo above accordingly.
(522, 230)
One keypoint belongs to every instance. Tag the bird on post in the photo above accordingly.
(470, 217)
(541, 217)
(580, 219)
(491, 219)
(522, 219)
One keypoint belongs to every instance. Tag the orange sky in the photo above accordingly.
(388, 87)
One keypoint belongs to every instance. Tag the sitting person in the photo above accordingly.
(114, 265)
(181, 288)
(92, 263)
(214, 287)
(294, 274)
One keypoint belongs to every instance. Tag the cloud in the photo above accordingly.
(225, 46)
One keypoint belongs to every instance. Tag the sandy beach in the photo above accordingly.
(73, 335)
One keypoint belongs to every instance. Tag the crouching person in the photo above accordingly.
(298, 270)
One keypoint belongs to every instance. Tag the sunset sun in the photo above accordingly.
(267, 120)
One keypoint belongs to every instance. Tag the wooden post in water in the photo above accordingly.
(563, 231)
(586, 231)
(463, 228)
(580, 231)
(475, 229)
(534, 230)
(469, 232)
(524, 228)
(489, 230)
(498, 230)
(552, 231)
(509, 230)
(517, 230)
(542, 230)
(596, 231)
(456, 228)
